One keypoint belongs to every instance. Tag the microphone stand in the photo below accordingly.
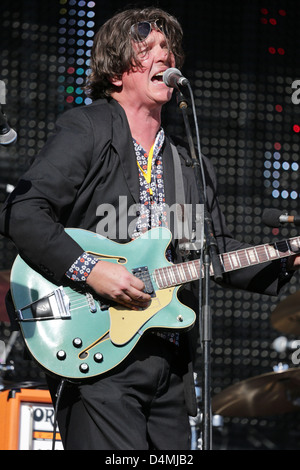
(210, 259)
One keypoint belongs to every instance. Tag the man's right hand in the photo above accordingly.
(116, 283)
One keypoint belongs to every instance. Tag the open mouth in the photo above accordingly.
(158, 77)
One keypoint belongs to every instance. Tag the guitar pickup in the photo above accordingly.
(143, 274)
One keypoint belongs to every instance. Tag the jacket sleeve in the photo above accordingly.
(32, 215)
(266, 278)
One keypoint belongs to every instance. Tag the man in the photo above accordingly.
(99, 153)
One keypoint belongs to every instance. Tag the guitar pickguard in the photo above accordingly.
(125, 323)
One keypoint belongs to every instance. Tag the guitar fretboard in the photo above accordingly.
(182, 273)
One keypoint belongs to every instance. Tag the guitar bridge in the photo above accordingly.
(143, 274)
(52, 306)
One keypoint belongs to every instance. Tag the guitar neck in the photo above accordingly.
(182, 273)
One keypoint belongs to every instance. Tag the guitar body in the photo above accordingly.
(67, 332)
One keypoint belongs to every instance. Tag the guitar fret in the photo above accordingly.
(165, 274)
(247, 258)
(271, 251)
(256, 253)
(160, 282)
(181, 272)
(190, 271)
(286, 251)
(262, 254)
(230, 261)
(294, 244)
(222, 263)
(193, 269)
(234, 260)
(290, 247)
(172, 276)
(175, 273)
(243, 258)
(252, 255)
(266, 253)
(289, 250)
(227, 262)
(183, 268)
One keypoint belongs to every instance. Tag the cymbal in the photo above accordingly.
(286, 316)
(4, 286)
(268, 394)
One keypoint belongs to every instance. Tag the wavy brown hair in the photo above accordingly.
(112, 51)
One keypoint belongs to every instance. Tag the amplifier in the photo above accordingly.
(27, 420)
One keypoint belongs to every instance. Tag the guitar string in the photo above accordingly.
(245, 258)
(78, 300)
(181, 273)
(185, 276)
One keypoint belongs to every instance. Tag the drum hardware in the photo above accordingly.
(275, 392)
(286, 316)
(196, 424)
(197, 421)
(268, 394)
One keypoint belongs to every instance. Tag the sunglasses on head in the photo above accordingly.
(140, 31)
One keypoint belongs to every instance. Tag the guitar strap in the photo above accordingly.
(189, 238)
(182, 227)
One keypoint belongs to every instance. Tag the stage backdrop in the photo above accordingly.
(242, 59)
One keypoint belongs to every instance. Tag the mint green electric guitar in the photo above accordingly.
(71, 336)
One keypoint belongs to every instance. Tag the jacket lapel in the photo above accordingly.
(123, 145)
(169, 175)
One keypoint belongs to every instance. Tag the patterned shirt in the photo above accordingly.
(152, 211)
(152, 201)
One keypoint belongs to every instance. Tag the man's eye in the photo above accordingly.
(143, 53)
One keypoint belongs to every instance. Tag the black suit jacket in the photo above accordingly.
(90, 162)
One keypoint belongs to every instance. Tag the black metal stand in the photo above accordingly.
(210, 258)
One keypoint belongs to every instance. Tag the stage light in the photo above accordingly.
(77, 20)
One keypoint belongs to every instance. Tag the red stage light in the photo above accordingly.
(273, 21)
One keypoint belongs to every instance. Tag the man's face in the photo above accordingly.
(144, 86)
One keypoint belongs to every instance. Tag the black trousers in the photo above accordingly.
(140, 406)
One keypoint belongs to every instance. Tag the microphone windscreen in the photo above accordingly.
(270, 217)
(168, 74)
(8, 137)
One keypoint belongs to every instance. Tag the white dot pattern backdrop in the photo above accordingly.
(242, 63)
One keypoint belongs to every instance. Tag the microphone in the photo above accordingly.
(7, 135)
(173, 77)
(274, 218)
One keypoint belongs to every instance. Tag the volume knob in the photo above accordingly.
(84, 368)
(77, 342)
(98, 357)
(61, 355)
